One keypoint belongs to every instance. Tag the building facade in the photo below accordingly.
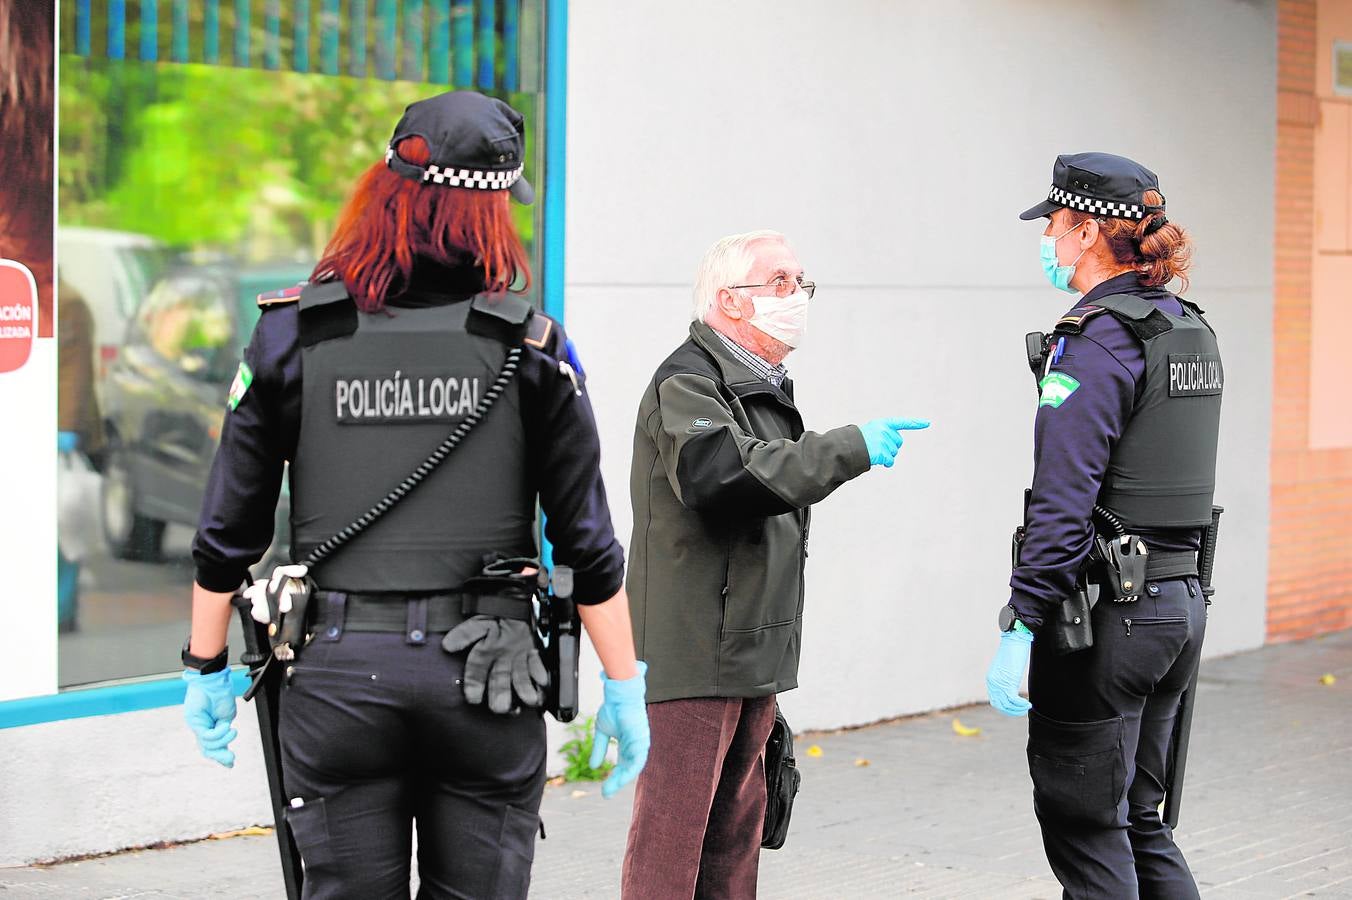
(1310, 576)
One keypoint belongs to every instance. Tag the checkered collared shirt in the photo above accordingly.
(775, 374)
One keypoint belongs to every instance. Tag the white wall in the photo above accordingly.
(895, 144)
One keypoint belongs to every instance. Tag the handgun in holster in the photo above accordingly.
(557, 631)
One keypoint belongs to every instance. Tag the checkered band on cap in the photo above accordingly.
(1095, 206)
(467, 178)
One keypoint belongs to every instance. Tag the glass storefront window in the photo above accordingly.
(204, 152)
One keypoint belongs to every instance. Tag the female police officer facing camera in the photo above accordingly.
(1127, 419)
(356, 379)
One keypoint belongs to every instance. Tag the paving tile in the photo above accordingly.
(1268, 811)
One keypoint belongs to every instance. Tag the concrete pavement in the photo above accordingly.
(913, 808)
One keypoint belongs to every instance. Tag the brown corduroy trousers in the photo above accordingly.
(699, 805)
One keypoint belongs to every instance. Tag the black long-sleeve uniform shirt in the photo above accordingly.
(261, 430)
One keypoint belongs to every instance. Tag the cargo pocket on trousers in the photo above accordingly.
(516, 852)
(1079, 774)
(309, 826)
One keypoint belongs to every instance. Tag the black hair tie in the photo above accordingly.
(1156, 223)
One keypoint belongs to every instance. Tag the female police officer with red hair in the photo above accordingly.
(407, 328)
(1125, 440)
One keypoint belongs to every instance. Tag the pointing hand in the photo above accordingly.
(883, 438)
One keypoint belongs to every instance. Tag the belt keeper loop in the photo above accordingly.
(416, 632)
(335, 614)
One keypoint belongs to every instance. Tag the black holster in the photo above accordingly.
(1120, 565)
(1071, 629)
(557, 631)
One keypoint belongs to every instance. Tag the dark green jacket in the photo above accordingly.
(723, 477)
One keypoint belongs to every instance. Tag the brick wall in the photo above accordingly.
(1310, 570)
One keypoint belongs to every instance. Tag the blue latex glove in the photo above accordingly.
(623, 716)
(209, 708)
(67, 442)
(882, 437)
(1007, 670)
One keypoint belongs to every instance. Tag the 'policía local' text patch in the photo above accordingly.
(1195, 374)
(404, 397)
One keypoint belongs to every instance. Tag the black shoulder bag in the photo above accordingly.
(781, 783)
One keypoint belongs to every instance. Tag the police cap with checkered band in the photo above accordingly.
(1100, 184)
(477, 142)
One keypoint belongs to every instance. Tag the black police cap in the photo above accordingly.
(477, 142)
(1100, 184)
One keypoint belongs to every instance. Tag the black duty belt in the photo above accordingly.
(416, 616)
(1159, 566)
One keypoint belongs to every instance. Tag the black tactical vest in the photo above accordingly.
(1162, 471)
(379, 393)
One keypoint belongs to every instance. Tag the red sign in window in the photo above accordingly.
(18, 314)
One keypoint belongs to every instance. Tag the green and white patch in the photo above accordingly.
(240, 386)
(1056, 389)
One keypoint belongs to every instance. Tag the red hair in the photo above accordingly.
(1160, 253)
(391, 220)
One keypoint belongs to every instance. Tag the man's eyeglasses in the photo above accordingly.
(784, 286)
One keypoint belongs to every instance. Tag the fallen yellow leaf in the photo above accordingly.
(576, 794)
(814, 751)
(861, 762)
(251, 831)
(1328, 680)
(963, 731)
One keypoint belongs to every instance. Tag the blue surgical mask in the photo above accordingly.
(1056, 273)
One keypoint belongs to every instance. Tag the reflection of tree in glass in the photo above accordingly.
(252, 163)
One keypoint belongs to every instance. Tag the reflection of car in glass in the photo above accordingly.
(112, 271)
(165, 399)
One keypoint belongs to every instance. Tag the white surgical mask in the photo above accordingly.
(783, 318)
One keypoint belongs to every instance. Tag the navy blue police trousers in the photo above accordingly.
(376, 735)
(1098, 739)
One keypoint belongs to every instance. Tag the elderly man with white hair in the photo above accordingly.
(723, 479)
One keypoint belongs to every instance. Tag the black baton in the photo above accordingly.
(1177, 762)
(265, 692)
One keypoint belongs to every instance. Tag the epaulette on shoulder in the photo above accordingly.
(1074, 321)
(280, 297)
(1127, 307)
(540, 331)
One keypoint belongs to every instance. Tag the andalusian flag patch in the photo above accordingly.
(240, 386)
(1056, 389)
